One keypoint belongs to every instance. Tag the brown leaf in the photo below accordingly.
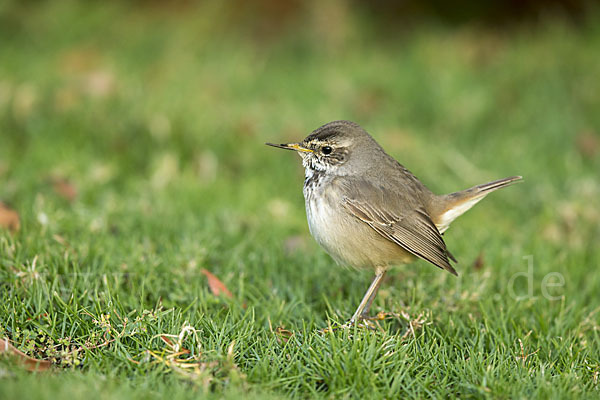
(216, 286)
(282, 334)
(479, 262)
(64, 188)
(30, 364)
(172, 345)
(9, 218)
(168, 341)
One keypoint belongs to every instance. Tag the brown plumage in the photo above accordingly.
(367, 210)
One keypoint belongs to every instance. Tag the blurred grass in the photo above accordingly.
(158, 121)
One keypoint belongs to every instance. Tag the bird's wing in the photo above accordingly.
(413, 230)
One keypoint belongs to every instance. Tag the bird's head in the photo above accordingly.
(336, 148)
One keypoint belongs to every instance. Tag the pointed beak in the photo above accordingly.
(291, 146)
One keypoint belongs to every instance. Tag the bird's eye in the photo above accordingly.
(326, 149)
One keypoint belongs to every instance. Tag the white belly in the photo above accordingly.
(348, 240)
(320, 220)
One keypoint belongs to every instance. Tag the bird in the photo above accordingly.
(366, 210)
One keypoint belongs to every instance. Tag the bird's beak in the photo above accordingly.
(291, 146)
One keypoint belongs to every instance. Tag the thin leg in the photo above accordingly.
(365, 312)
(365, 304)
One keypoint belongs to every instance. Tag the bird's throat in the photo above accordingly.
(313, 179)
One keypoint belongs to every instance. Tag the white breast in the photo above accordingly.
(320, 213)
(349, 241)
(319, 218)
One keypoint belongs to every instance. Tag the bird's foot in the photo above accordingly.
(363, 321)
(351, 324)
(368, 322)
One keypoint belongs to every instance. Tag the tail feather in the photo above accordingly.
(451, 206)
(491, 186)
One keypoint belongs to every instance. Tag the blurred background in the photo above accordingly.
(132, 161)
(141, 124)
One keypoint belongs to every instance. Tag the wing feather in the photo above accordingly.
(415, 232)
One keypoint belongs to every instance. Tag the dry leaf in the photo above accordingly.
(187, 364)
(64, 188)
(168, 341)
(9, 218)
(282, 334)
(216, 286)
(174, 346)
(479, 262)
(30, 364)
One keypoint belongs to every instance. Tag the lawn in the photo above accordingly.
(132, 148)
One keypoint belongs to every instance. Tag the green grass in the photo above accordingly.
(159, 122)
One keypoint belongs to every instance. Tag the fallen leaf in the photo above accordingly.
(282, 334)
(216, 286)
(64, 188)
(9, 218)
(30, 364)
(479, 262)
(168, 341)
(173, 346)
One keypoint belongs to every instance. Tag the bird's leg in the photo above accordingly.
(365, 304)
(379, 278)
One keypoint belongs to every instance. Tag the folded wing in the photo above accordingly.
(413, 231)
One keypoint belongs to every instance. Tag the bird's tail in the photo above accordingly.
(450, 206)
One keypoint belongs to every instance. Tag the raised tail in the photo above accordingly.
(450, 206)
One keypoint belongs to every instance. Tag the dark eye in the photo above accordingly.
(326, 149)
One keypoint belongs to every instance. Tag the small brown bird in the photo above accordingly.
(368, 211)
